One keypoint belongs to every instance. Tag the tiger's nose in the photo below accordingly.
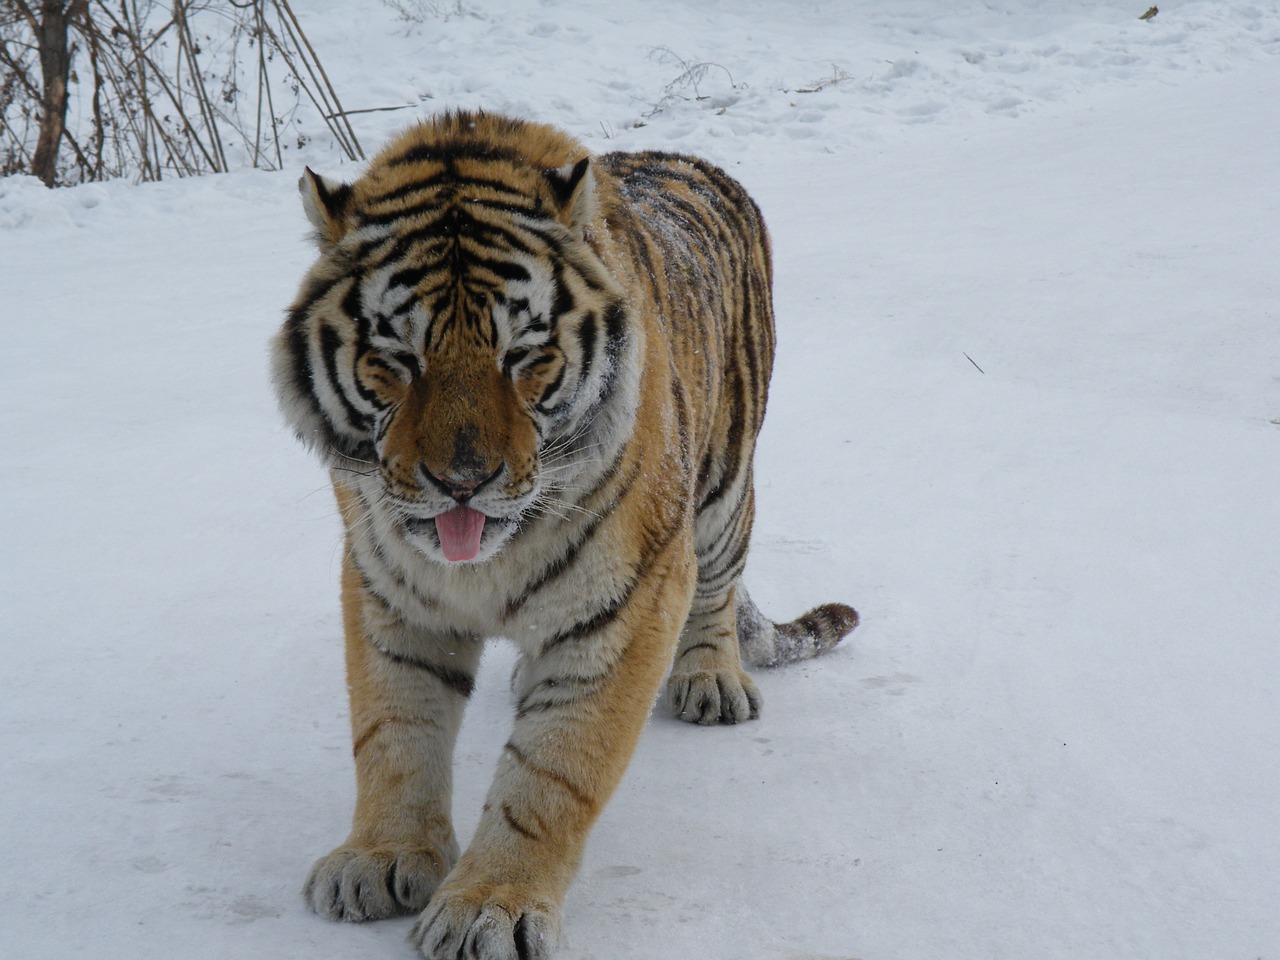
(460, 485)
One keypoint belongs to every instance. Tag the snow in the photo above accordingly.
(1023, 418)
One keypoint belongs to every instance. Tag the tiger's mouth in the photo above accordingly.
(461, 534)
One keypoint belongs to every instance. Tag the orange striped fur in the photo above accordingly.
(571, 356)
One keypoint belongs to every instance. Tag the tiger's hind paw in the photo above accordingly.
(705, 697)
(355, 883)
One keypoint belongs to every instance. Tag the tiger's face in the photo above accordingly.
(452, 350)
(456, 440)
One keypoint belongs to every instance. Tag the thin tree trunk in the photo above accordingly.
(55, 68)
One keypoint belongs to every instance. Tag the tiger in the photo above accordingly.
(536, 377)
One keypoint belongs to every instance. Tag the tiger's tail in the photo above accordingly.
(764, 643)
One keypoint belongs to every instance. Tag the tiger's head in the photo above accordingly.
(453, 349)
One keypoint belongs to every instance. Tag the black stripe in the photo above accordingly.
(597, 621)
(502, 268)
(496, 234)
(408, 189)
(410, 361)
(704, 225)
(363, 252)
(659, 541)
(437, 240)
(551, 388)
(431, 204)
(747, 344)
(723, 542)
(615, 336)
(530, 209)
(449, 153)
(440, 199)
(639, 244)
(525, 709)
(561, 300)
(311, 294)
(697, 646)
(516, 825)
(330, 344)
(720, 609)
(732, 446)
(373, 729)
(488, 183)
(542, 697)
(457, 681)
(433, 246)
(730, 572)
(372, 359)
(569, 787)
(352, 301)
(676, 166)
(587, 342)
(373, 552)
(302, 376)
(299, 347)
(411, 276)
(570, 556)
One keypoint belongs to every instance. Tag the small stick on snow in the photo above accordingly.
(971, 360)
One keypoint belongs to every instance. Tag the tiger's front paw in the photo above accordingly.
(487, 923)
(359, 883)
(713, 696)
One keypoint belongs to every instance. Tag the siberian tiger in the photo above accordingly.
(537, 378)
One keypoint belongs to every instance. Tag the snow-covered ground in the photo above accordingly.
(1024, 418)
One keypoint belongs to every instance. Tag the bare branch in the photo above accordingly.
(155, 97)
(333, 94)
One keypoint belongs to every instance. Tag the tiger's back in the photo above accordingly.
(701, 251)
(537, 378)
(701, 244)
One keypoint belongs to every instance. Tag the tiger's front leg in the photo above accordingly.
(407, 691)
(583, 703)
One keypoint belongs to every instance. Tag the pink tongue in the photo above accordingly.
(460, 530)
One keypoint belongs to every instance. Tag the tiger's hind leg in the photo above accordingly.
(708, 683)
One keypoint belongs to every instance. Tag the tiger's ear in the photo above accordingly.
(326, 203)
(574, 186)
